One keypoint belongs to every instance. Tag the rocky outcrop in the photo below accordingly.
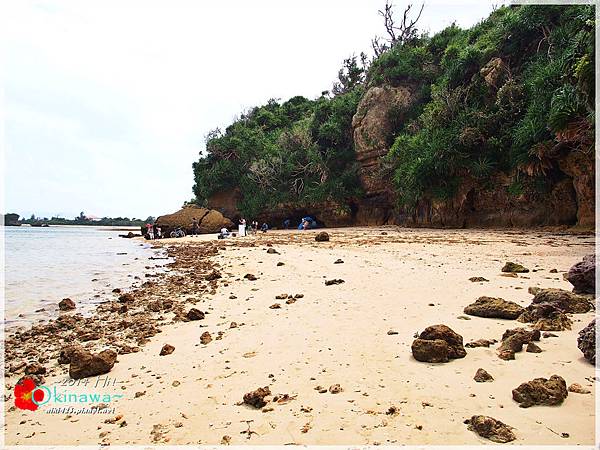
(583, 275)
(586, 342)
(579, 166)
(482, 376)
(566, 301)
(494, 308)
(512, 267)
(322, 236)
(492, 205)
(490, 428)
(546, 317)
(513, 341)
(541, 391)
(380, 111)
(438, 343)
(209, 221)
(66, 304)
(11, 220)
(494, 72)
(548, 309)
(84, 364)
(226, 202)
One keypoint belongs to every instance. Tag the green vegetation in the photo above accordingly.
(541, 83)
(300, 151)
(496, 97)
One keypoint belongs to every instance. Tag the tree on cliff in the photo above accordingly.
(403, 34)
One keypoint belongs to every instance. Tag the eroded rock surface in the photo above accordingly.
(541, 391)
(494, 308)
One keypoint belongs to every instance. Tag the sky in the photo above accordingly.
(106, 103)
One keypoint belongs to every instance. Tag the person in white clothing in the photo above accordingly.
(242, 227)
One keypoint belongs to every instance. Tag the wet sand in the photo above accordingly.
(402, 281)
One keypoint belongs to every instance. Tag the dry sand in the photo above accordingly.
(339, 335)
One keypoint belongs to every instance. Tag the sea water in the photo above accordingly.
(84, 263)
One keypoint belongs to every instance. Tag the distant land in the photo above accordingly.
(14, 219)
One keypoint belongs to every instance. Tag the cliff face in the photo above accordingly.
(379, 112)
(569, 199)
(486, 127)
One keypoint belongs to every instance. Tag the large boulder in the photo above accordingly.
(568, 302)
(541, 391)
(438, 343)
(213, 222)
(494, 307)
(433, 351)
(586, 342)
(546, 317)
(209, 221)
(84, 364)
(583, 275)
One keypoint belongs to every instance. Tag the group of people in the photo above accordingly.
(244, 229)
(153, 231)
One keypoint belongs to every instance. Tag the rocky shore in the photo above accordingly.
(371, 336)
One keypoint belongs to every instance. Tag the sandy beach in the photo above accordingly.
(358, 334)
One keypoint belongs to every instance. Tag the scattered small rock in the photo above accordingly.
(478, 279)
(481, 376)
(335, 389)
(512, 267)
(66, 304)
(334, 281)
(214, 275)
(480, 343)
(533, 348)
(35, 369)
(322, 236)
(205, 338)
(256, 398)
(578, 389)
(513, 341)
(275, 306)
(195, 314)
(250, 277)
(167, 349)
(490, 428)
(338, 261)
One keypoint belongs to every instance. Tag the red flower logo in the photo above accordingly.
(26, 393)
